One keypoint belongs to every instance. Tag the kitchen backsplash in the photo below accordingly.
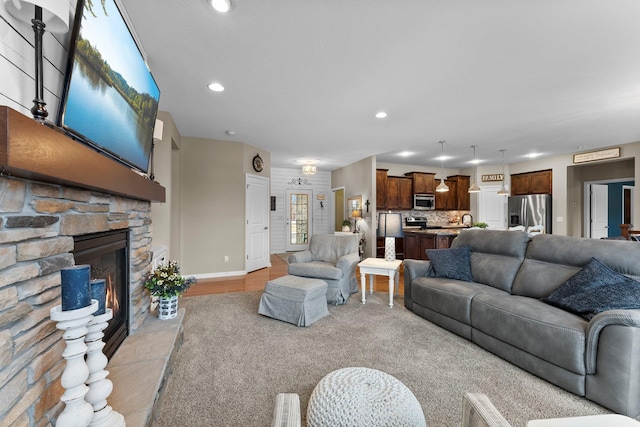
(435, 217)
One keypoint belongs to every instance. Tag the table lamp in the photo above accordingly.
(52, 14)
(355, 214)
(390, 227)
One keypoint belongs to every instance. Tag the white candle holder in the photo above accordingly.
(99, 386)
(77, 411)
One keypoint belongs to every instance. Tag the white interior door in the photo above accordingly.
(299, 219)
(257, 226)
(599, 206)
(492, 207)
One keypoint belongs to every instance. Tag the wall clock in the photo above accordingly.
(258, 164)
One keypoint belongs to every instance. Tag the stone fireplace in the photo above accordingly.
(55, 193)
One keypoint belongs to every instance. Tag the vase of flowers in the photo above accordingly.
(166, 283)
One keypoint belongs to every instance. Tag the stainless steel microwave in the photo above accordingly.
(424, 202)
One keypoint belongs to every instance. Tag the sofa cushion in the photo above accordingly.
(534, 327)
(594, 289)
(315, 269)
(449, 297)
(453, 263)
(496, 255)
(552, 259)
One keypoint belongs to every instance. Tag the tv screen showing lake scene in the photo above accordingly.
(111, 98)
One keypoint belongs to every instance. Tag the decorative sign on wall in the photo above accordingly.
(494, 177)
(299, 181)
(592, 156)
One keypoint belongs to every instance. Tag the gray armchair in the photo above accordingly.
(332, 258)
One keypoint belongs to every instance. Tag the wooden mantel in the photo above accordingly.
(31, 150)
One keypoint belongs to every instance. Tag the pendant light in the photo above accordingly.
(474, 187)
(503, 191)
(442, 187)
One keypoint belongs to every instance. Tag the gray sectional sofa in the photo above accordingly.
(503, 312)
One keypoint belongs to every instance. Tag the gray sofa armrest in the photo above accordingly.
(303, 256)
(413, 268)
(286, 412)
(347, 262)
(598, 323)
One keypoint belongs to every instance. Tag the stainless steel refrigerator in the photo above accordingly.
(534, 209)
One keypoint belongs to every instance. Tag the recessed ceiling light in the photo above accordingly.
(532, 155)
(230, 132)
(406, 153)
(216, 87)
(222, 6)
(475, 161)
(381, 115)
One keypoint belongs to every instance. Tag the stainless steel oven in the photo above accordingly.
(424, 202)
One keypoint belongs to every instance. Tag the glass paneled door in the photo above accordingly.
(299, 219)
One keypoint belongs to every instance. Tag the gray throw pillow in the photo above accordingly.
(594, 289)
(454, 263)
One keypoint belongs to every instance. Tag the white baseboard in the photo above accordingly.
(215, 275)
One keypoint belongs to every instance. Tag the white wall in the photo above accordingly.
(359, 179)
(164, 157)
(283, 179)
(17, 64)
(568, 188)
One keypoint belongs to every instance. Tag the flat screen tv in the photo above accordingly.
(110, 98)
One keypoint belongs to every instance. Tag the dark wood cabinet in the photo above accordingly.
(538, 182)
(423, 182)
(381, 188)
(520, 184)
(541, 182)
(462, 200)
(417, 243)
(457, 198)
(445, 201)
(399, 194)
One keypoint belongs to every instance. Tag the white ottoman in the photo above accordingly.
(363, 397)
(293, 299)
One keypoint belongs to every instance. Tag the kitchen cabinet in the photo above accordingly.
(446, 200)
(423, 182)
(399, 194)
(457, 198)
(416, 243)
(538, 182)
(381, 188)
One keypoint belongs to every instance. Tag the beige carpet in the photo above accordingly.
(233, 363)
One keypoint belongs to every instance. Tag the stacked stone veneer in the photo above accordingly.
(37, 225)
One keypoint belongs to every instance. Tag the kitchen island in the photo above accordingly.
(417, 241)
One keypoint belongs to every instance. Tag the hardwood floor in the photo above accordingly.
(256, 281)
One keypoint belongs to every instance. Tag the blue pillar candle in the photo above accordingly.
(99, 293)
(76, 291)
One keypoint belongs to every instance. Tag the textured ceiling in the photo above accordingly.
(304, 78)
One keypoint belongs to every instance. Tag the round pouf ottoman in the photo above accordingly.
(363, 397)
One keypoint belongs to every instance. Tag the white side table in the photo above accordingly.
(379, 266)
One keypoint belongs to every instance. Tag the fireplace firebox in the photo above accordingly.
(108, 255)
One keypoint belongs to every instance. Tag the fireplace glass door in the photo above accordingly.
(107, 254)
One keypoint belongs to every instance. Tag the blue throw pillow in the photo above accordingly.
(454, 263)
(594, 289)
